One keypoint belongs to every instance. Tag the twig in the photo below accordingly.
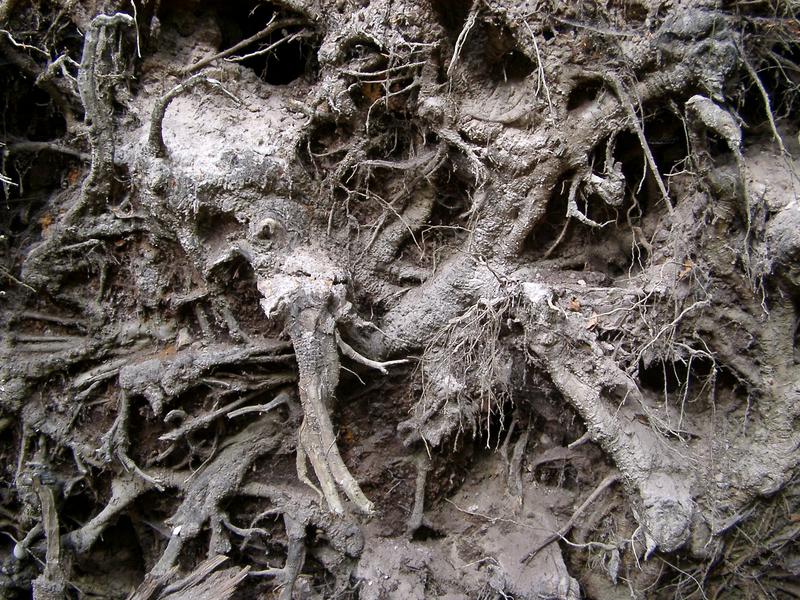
(386, 71)
(651, 161)
(574, 211)
(29, 146)
(279, 399)
(765, 97)
(349, 352)
(586, 437)
(15, 280)
(271, 47)
(23, 46)
(607, 482)
(136, 26)
(205, 419)
(540, 70)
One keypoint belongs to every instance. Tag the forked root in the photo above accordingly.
(312, 329)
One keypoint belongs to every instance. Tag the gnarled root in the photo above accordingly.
(312, 329)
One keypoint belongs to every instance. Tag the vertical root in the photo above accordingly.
(295, 555)
(418, 512)
(312, 330)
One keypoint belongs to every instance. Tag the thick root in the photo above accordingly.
(312, 331)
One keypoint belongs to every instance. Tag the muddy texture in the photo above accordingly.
(392, 299)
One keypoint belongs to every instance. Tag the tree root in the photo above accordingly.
(95, 79)
(218, 480)
(295, 558)
(155, 139)
(312, 330)
(416, 518)
(647, 463)
(271, 28)
(349, 352)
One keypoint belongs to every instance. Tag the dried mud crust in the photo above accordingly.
(312, 299)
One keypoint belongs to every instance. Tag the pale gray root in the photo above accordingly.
(271, 27)
(624, 98)
(155, 139)
(343, 535)
(282, 398)
(204, 419)
(96, 80)
(703, 114)
(350, 352)
(564, 530)
(312, 330)
(116, 442)
(160, 379)
(574, 211)
(61, 94)
(415, 519)
(124, 491)
(31, 146)
(602, 394)
(95, 85)
(20, 550)
(387, 240)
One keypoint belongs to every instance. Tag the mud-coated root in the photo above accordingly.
(602, 395)
(312, 330)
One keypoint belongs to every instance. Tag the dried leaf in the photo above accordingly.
(688, 265)
(574, 305)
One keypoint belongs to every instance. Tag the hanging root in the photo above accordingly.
(416, 518)
(624, 98)
(312, 330)
(95, 81)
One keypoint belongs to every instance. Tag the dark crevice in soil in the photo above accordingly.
(584, 92)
